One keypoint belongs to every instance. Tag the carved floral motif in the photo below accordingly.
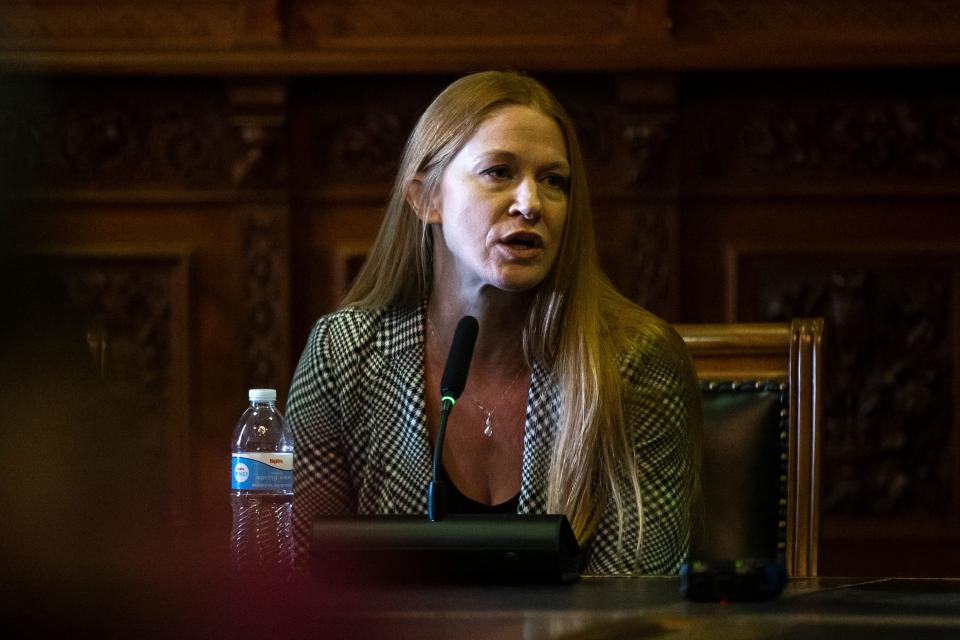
(716, 17)
(127, 305)
(263, 279)
(205, 25)
(808, 140)
(888, 405)
(318, 22)
(357, 146)
(116, 134)
(128, 309)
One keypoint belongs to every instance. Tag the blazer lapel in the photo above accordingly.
(539, 432)
(405, 441)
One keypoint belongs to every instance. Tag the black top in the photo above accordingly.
(459, 503)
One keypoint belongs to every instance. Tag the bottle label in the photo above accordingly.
(263, 471)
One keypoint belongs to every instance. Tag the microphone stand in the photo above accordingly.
(437, 488)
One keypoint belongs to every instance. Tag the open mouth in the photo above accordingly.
(523, 240)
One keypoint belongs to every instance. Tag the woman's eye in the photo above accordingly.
(556, 181)
(500, 173)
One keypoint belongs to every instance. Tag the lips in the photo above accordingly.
(523, 240)
(521, 245)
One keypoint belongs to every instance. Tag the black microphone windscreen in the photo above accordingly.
(458, 362)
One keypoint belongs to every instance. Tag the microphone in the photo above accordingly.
(451, 386)
(458, 360)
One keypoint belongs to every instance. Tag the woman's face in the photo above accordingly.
(503, 203)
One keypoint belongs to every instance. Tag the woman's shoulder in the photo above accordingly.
(654, 355)
(354, 329)
(349, 324)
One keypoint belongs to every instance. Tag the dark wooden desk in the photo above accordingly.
(610, 608)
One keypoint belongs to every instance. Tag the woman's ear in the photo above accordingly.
(429, 213)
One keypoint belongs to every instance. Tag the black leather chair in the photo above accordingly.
(744, 471)
(761, 400)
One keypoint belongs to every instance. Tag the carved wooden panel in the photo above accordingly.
(265, 283)
(823, 19)
(349, 139)
(134, 306)
(875, 133)
(256, 147)
(889, 409)
(399, 24)
(637, 243)
(91, 135)
(628, 130)
(121, 24)
(309, 37)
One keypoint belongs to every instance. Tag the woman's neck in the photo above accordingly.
(501, 316)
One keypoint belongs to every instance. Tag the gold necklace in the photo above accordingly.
(488, 420)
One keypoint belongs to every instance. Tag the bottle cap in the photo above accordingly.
(262, 395)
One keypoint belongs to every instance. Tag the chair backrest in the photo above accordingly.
(744, 425)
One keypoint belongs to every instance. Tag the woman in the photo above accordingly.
(577, 401)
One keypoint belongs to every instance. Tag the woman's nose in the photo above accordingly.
(526, 199)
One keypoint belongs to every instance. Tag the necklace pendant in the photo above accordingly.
(488, 430)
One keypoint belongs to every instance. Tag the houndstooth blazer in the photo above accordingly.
(356, 408)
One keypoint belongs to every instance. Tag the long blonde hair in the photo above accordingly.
(577, 321)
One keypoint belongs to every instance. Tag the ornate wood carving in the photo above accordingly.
(350, 146)
(134, 307)
(651, 257)
(265, 299)
(99, 134)
(365, 143)
(888, 409)
(796, 142)
(307, 37)
(713, 18)
(628, 133)
(398, 24)
(628, 130)
(259, 129)
(628, 150)
(121, 24)
(637, 249)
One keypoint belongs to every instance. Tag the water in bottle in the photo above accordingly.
(261, 487)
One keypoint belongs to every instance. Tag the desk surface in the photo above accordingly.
(619, 608)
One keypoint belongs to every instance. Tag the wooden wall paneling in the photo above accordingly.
(882, 133)
(213, 236)
(117, 25)
(329, 246)
(116, 139)
(193, 163)
(266, 283)
(890, 414)
(627, 126)
(346, 141)
(637, 243)
(438, 25)
(886, 284)
(834, 194)
(134, 304)
(259, 175)
(307, 37)
(825, 23)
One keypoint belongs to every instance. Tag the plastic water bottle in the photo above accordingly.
(261, 488)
